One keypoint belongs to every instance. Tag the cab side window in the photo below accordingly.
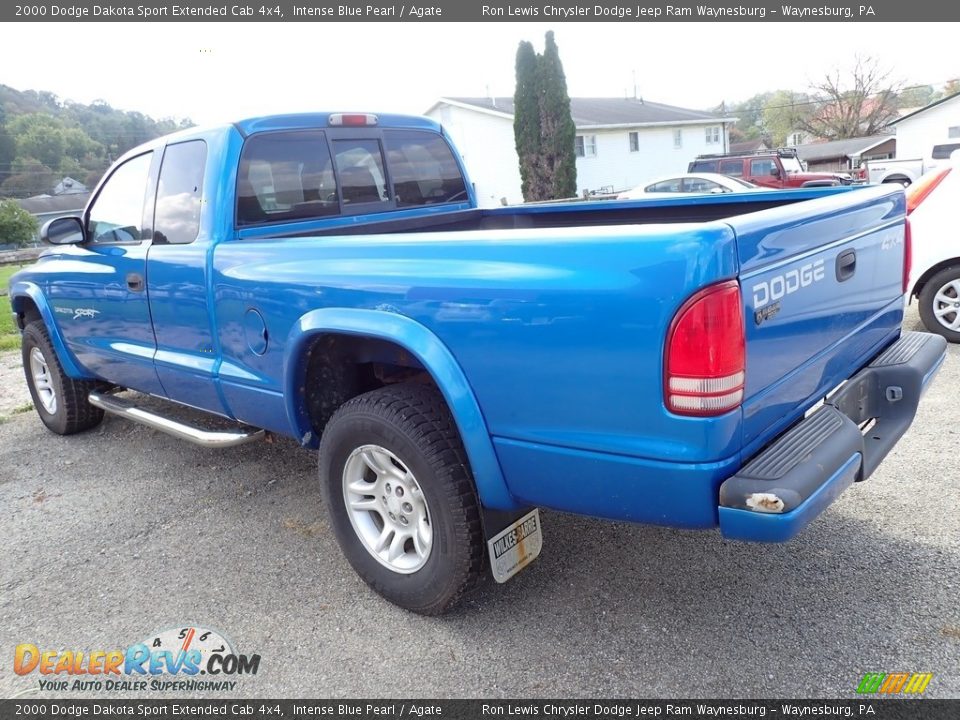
(117, 213)
(285, 176)
(180, 193)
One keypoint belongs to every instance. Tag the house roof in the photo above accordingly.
(948, 98)
(749, 146)
(41, 204)
(840, 148)
(600, 112)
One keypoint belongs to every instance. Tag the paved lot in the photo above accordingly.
(117, 533)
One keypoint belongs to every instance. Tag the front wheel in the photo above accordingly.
(940, 304)
(400, 496)
(61, 401)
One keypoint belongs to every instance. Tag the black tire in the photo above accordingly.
(929, 303)
(70, 412)
(411, 422)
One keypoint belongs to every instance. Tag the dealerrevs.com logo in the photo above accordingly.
(171, 660)
(894, 683)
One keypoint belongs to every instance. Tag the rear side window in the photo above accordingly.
(943, 152)
(703, 166)
(734, 168)
(286, 176)
(179, 193)
(665, 186)
(422, 168)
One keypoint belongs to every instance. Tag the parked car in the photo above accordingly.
(932, 207)
(907, 171)
(690, 184)
(777, 169)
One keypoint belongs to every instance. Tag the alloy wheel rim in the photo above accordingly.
(42, 381)
(387, 509)
(946, 305)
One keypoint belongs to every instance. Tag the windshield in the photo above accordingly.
(791, 164)
(741, 183)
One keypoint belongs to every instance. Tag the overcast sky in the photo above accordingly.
(213, 72)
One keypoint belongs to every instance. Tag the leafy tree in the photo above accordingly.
(526, 120)
(17, 226)
(29, 177)
(749, 114)
(951, 87)
(39, 136)
(914, 97)
(783, 113)
(545, 141)
(8, 151)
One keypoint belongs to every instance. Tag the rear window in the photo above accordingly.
(943, 152)
(285, 176)
(422, 168)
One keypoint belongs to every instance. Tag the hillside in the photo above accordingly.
(44, 138)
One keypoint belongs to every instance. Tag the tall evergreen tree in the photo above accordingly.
(557, 130)
(526, 120)
(544, 131)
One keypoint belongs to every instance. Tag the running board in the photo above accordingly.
(205, 438)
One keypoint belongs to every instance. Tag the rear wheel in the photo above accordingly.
(400, 496)
(61, 401)
(940, 304)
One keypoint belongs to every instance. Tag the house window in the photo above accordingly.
(586, 146)
(953, 132)
(796, 139)
(634, 142)
(678, 138)
(713, 135)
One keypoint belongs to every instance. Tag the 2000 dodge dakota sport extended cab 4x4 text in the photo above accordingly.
(731, 361)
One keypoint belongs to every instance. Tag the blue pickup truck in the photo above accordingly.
(732, 361)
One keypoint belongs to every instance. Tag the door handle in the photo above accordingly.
(846, 265)
(135, 282)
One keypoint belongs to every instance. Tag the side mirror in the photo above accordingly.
(62, 231)
(775, 171)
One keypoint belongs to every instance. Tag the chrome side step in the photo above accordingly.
(205, 438)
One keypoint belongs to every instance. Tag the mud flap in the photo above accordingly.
(514, 540)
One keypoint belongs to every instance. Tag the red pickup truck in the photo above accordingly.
(770, 168)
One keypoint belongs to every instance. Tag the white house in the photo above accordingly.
(620, 142)
(936, 124)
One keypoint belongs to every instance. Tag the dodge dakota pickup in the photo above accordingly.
(731, 361)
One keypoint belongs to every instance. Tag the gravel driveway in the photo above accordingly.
(120, 532)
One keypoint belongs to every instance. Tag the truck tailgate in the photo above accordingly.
(822, 293)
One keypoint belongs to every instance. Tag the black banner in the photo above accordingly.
(29, 709)
(477, 11)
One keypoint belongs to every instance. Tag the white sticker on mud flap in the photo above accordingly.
(516, 547)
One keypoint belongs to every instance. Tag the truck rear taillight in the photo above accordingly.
(907, 255)
(705, 359)
(352, 120)
(921, 189)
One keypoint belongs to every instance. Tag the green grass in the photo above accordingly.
(9, 335)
